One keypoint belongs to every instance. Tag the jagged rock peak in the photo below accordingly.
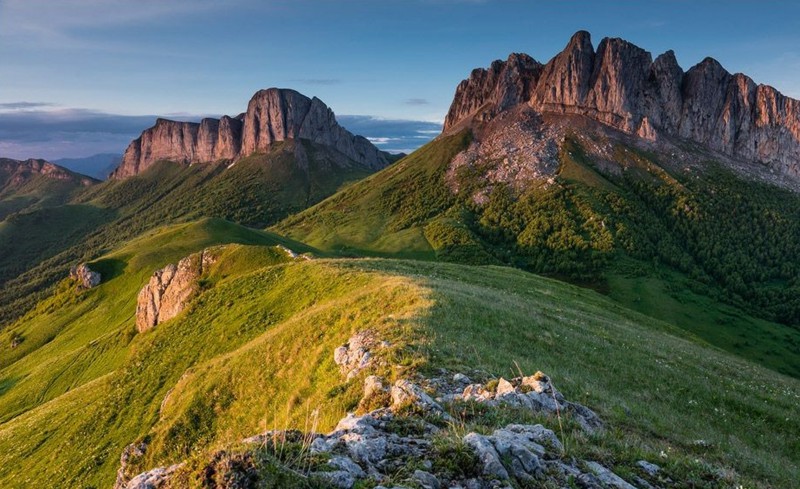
(620, 85)
(272, 115)
(504, 85)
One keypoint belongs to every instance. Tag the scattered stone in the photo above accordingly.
(405, 394)
(608, 478)
(355, 355)
(484, 449)
(379, 444)
(345, 472)
(477, 393)
(373, 385)
(86, 277)
(535, 392)
(460, 378)
(426, 480)
(504, 387)
(651, 469)
(153, 479)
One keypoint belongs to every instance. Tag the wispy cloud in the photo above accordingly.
(416, 101)
(32, 132)
(24, 105)
(392, 135)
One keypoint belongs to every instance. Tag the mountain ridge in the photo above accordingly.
(272, 115)
(622, 86)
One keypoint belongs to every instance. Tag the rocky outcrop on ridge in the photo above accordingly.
(85, 276)
(622, 86)
(411, 430)
(169, 290)
(272, 115)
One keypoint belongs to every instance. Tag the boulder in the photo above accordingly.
(86, 277)
(153, 479)
(170, 289)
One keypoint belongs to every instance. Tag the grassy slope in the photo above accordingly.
(257, 191)
(36, 192)
(383, 215)
(407, 208)
(254, 352)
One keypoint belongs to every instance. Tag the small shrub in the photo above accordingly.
(16, 339)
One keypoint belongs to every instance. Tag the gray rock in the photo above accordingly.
(365, 448)
(86, 277)
(641, 483)
(588, 419)
(355, 355)
(650, 468)
(608, 478)
(490, 459)
(460, 378)
(589, 481)
(405, 392)
(357, 424)
(337, 478)
(153, 479)
(426, 480)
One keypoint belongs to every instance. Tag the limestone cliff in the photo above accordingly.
(620, 85)
(272, 115)
(169, 290)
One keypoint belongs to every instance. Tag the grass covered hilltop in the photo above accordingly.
(254, 351)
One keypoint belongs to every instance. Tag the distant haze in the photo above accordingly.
(33, 131)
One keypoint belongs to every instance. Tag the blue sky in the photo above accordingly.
(110, 66)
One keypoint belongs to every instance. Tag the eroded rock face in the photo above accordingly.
(272, 115)
(169, 290)
(86, 277)
(621, 86)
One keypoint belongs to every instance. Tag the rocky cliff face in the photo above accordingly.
(170, 289)
(621, 85)
(272, 115)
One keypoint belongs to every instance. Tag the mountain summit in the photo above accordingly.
(620, 85)
(272, 115)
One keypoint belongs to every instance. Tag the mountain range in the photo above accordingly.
(269, 300)
(97, 166)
